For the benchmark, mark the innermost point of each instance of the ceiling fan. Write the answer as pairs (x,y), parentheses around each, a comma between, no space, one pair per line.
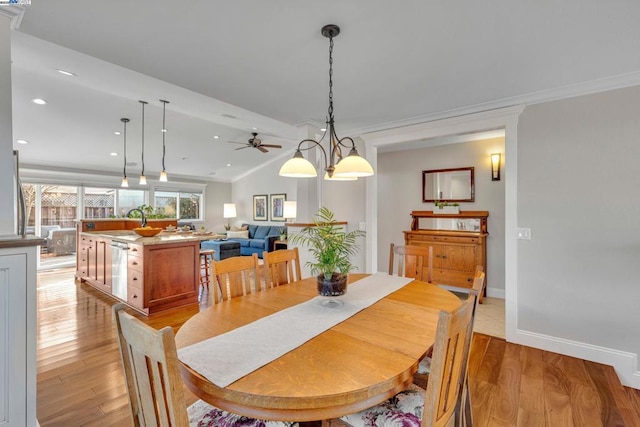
(255,142)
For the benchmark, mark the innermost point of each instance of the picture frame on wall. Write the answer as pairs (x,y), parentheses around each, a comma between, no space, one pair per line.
(260,207)
(277,206)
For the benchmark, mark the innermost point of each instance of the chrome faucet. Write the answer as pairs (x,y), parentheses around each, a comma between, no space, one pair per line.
(144,219)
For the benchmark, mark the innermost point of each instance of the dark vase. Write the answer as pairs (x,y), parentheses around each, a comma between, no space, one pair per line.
(333,286)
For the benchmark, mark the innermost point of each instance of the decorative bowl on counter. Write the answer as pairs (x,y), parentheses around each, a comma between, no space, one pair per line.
(147,232)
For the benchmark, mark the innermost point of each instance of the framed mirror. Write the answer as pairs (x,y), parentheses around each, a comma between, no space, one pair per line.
(448,185)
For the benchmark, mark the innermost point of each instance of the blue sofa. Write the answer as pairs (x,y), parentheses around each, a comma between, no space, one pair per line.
(261,238)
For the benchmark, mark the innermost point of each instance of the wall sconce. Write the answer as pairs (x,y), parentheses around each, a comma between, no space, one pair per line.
(495,167)
(229,211)
(289,210)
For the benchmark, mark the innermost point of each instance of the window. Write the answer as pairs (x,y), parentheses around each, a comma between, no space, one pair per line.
(99,202)
(179,205)
(129,199)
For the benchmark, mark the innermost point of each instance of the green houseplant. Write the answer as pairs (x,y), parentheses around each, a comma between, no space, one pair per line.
(331,247)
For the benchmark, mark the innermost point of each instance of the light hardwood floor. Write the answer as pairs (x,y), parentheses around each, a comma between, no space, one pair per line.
(80,381)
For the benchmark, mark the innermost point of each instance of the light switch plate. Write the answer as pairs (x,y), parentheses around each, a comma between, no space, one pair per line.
(524,233)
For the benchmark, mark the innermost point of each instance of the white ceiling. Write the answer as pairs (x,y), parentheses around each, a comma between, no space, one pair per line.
(266,64)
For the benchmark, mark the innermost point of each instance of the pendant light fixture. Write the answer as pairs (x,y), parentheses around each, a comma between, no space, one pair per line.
(163,174)
(337,166)
(143,179)
(125,181)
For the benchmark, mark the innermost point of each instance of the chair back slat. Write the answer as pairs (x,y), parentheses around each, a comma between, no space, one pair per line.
(281,267)
(448,365)
(235,276)
(411,261)
(150,363)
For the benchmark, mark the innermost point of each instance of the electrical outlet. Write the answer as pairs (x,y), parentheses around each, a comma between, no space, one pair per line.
(524,233)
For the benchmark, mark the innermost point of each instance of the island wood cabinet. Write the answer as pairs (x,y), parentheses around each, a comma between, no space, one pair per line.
(94,261)
(160,274)
(458,241)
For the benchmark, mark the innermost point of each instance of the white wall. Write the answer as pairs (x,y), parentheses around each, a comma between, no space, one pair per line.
(264,181)
(579,192)
(400,192)
(7,183)
(215,196)
(345,199)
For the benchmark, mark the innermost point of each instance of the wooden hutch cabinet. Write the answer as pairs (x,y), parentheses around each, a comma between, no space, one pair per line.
(458,241)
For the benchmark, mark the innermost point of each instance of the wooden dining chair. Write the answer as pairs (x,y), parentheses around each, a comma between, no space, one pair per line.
(481,291)
(464,416)
(436,405)
(156,397)
(411,261)
(235,276)
(281,267)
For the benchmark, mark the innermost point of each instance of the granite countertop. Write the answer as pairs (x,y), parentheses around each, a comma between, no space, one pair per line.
(164,237)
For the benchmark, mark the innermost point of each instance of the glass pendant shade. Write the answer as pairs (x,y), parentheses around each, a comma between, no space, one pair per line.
(353,166)
(298,167)
(143,180)
(163,177)
(125,182)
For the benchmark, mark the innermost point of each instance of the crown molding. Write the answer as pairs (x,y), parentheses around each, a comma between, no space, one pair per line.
(15,13)
(585,88)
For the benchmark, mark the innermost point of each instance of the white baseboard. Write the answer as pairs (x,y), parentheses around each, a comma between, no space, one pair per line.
(624,363)
(495,293)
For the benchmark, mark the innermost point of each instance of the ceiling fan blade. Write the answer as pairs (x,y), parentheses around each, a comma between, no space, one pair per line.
(240,148)
(264,150)
(234,142)
(271,145)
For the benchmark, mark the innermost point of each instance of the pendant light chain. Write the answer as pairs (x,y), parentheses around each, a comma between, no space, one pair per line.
(331,76)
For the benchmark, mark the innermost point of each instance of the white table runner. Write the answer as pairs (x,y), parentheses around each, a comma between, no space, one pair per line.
(228,357)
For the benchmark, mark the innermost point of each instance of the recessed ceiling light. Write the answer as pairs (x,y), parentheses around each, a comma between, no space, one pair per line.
(66,73)
(228,164)
(113,154)
(22,141)
(254,128)
(39,101)
(117,132)
(323,130)
(215,137)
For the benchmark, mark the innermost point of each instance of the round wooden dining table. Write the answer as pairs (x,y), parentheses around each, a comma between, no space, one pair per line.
(354,365)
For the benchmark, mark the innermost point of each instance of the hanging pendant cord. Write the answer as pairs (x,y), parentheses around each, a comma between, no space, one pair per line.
(331,76)
(142,102)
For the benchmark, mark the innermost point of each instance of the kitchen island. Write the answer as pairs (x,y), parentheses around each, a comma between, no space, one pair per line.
(150,274)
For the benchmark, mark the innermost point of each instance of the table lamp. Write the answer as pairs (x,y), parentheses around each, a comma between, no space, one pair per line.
(229,211)
(289,210)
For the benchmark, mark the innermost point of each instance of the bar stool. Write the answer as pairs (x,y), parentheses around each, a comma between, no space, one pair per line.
(206,256)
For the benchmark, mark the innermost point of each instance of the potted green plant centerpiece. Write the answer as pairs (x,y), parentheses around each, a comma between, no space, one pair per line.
(331,248)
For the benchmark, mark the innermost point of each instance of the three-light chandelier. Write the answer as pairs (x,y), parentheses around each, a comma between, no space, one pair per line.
(337,166)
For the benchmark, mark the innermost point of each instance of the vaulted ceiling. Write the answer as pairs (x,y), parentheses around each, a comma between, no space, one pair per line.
(236,67)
